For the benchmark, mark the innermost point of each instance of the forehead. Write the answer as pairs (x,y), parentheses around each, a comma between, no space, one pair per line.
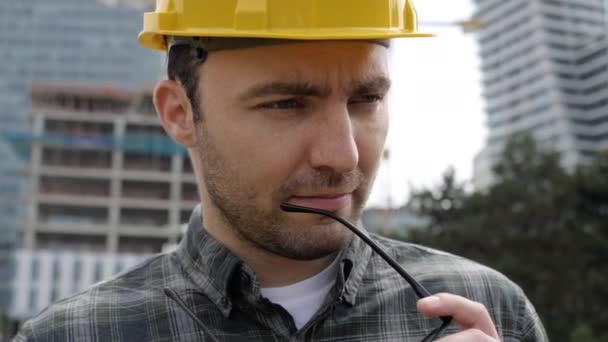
(335,64)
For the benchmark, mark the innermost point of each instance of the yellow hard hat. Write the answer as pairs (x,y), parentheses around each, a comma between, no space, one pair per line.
(279,19)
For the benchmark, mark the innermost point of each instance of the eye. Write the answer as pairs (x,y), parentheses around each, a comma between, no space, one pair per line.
(366,99)
(286,104)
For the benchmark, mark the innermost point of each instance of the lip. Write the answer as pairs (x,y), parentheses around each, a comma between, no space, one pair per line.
(333,202)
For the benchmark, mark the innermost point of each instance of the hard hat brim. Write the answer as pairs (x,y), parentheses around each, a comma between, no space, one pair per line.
(156,40)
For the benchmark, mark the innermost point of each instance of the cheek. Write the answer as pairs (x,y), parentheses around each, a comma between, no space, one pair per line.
(371,137)
(260,153)
(263,158)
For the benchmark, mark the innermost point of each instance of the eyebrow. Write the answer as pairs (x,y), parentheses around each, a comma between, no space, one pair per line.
(285,88)
(375,84)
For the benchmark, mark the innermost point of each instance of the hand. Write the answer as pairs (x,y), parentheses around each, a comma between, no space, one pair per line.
(473,317)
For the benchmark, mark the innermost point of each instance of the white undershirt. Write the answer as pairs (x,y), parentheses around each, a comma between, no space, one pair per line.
(303,299)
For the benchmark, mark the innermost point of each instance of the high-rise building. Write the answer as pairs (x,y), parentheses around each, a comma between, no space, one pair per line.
(79,41)
(85,42)
(545,67)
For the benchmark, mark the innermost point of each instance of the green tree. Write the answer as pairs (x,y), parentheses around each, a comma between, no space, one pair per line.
(542,226)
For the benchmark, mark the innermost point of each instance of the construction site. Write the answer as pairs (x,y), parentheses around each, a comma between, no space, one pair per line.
(106,187)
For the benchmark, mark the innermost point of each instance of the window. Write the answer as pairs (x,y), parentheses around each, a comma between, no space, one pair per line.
(56,270)
(33,299)
(98,271)
(77,271)
(593,56)
(594,72)
(596,88)
(35,269)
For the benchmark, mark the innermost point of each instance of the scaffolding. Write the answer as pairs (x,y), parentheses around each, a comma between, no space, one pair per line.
(143,143)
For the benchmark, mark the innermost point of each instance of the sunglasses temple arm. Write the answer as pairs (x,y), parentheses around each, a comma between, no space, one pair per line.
(446,320)
(421,292)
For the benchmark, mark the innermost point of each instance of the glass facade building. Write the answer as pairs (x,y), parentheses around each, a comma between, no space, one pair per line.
(545,66)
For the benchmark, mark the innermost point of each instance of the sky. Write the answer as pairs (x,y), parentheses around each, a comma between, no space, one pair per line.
(436,109)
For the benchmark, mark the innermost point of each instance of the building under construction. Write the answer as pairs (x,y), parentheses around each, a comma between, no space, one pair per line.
(107,187)
(88,42)
(103,174)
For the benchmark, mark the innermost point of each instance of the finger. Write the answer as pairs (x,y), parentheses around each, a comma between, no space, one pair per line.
(470,335)
(467,313)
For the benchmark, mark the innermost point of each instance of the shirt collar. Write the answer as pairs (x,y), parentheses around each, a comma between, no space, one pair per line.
(355,259)
(212,267)
(207,263)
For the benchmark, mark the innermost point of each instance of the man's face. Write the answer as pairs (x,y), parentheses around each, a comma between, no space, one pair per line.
(302,123)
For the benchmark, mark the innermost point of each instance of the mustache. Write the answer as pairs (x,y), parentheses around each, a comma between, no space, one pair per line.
(323,180)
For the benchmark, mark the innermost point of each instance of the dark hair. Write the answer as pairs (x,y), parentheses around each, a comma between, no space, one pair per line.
(182,66)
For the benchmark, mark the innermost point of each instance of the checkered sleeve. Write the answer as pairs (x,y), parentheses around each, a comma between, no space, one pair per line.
(530,325)
(25,334)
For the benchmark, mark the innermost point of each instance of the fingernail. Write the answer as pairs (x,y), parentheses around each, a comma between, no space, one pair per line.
(431,302)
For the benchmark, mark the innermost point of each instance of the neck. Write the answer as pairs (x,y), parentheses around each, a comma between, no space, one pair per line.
(272,270)
(275,271)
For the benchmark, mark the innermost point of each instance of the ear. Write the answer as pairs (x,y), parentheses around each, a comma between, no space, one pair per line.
(175,112)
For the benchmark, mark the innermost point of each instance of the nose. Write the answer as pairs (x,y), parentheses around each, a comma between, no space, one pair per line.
(333,143)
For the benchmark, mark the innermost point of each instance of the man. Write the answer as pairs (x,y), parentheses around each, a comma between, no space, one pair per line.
(284,102)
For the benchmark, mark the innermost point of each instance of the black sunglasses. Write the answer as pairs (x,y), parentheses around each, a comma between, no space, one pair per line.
(420,291)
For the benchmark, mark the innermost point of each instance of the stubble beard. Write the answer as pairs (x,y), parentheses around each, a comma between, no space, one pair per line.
(269,229)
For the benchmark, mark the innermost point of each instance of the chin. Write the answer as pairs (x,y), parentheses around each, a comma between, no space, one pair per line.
(316,242)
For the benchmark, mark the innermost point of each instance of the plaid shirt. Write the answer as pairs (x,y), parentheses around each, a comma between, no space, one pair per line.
(369,302)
